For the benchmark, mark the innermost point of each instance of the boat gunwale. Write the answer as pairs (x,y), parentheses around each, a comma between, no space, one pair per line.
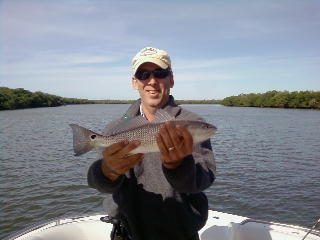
(53,222)
(69,219)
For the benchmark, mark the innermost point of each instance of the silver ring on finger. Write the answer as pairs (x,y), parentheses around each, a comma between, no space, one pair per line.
(171,149)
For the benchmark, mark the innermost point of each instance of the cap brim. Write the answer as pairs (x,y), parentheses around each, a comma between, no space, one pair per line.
(158,62)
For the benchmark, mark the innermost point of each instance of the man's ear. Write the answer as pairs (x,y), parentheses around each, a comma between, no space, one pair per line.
(134,83)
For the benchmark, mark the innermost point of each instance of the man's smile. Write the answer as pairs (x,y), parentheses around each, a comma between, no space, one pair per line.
(153,92)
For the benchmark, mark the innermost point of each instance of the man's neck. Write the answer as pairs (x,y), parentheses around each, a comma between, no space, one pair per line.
(149,112)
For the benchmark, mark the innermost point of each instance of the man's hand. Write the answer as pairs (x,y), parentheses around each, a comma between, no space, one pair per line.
(175,143)
(116,160)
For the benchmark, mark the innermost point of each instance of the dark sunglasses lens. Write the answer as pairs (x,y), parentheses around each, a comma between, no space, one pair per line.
(161,73)
(142,74)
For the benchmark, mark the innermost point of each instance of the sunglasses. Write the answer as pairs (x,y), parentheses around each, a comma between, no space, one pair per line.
(143,74)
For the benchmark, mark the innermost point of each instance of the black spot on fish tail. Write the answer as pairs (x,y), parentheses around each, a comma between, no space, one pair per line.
(82,139)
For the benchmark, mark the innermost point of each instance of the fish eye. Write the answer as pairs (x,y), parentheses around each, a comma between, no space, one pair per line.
(93,136)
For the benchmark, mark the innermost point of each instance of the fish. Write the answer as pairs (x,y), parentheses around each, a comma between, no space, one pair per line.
(138,129)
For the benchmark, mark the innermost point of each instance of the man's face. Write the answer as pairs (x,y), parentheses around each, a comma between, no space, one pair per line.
(154,92)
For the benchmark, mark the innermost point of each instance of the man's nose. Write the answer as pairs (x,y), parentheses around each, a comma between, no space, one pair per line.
(152,80)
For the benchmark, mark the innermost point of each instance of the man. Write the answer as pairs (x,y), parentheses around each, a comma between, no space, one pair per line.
(157,195)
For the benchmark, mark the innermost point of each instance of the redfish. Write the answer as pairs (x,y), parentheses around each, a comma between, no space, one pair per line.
(138,129)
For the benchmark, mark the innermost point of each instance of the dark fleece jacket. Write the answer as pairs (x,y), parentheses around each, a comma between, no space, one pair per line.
(155,202)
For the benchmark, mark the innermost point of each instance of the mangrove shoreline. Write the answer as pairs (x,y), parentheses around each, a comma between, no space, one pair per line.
(20,98)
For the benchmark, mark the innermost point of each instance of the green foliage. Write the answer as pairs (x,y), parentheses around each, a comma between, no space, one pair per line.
(299,99)
(21,98)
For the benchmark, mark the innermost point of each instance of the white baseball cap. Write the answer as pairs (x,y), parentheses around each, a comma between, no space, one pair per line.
(153,55)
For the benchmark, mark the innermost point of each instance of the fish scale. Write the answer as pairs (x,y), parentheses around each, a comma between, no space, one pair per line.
(145,135)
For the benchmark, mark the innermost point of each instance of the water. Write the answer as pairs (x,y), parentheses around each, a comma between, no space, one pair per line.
(268,163)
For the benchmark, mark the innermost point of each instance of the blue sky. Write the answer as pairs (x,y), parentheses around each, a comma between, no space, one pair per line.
(83,49)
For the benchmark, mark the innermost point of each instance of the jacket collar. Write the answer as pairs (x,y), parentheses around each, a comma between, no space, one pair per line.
(171,107)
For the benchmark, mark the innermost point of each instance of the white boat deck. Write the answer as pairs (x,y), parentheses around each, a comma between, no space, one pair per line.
(220,226)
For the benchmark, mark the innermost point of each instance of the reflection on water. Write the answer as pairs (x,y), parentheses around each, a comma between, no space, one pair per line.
(267,162)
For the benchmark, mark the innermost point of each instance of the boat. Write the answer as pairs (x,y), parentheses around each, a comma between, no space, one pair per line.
(220,226)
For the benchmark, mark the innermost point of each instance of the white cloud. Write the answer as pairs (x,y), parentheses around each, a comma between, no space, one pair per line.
(213,44)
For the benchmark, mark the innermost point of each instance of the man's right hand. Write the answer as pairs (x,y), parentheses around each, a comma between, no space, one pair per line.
(117,161)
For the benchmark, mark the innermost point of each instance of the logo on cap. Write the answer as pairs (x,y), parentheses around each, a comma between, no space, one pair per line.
(148,51)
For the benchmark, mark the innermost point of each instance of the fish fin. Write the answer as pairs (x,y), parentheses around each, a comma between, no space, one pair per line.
(128,125)
(81,139)
(163,116)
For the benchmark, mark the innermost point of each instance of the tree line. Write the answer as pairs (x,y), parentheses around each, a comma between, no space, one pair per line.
(20,98)
(276,99)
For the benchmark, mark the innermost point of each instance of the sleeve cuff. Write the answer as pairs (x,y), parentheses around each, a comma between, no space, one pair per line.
(98,180)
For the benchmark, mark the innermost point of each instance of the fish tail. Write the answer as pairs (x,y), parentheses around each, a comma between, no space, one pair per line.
(82,139)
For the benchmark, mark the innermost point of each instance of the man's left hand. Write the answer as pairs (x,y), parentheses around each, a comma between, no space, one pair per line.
(175,143)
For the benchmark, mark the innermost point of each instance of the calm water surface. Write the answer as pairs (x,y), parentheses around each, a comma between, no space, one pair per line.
(268,163)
